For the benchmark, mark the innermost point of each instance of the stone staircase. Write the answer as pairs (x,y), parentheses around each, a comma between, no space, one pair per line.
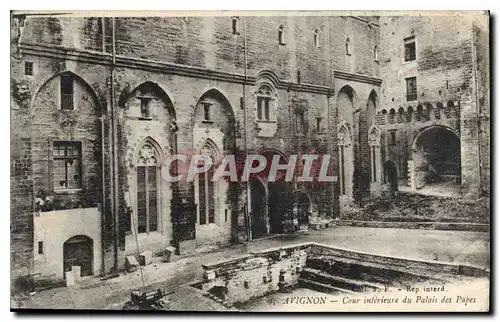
(343,275)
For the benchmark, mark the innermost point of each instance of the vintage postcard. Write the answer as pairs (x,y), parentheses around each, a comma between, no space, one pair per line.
(250,161)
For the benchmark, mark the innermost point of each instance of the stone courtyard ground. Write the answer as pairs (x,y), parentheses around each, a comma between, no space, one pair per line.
(445,246)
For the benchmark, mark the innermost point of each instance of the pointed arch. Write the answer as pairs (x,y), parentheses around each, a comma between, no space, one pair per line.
(151,87)
(344,135)
(149,152)
(218,95)
(91,90)
(374,136)
(373,97)
(351,93)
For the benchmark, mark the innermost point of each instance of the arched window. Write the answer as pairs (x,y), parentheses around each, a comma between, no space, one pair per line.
(316,38)
(374,143)
(348,46)
(264,103)
(147,188)
(206,188)
(281,35)
(375,53)
(344,140)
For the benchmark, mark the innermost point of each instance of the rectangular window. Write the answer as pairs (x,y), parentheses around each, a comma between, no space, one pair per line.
(28,68)
(141,200)
(266,108)
(393,138)
(67,165)
(411,89)
(40,248)
(152,199)
(299,122)
(145,107)
(206,111)
(210,196)
(147,199)
(259,108)
(318,123)
(202,198)
(66,92)
(410,49)
(235,26)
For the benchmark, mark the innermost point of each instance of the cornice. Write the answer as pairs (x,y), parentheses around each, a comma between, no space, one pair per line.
(357,77)
(100,58)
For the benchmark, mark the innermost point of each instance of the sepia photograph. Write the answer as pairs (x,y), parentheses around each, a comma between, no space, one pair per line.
(250,161)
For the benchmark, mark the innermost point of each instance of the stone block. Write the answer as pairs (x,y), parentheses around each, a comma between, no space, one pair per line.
(146,258)
(77,272)
(168,253)
(131,264)
(208,275)
(70,279)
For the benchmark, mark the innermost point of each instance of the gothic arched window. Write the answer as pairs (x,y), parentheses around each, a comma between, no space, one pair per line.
(147,169)
(264,103)
(206,187)
(344,140)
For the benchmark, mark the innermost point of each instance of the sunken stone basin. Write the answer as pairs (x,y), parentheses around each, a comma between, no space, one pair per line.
(310,273)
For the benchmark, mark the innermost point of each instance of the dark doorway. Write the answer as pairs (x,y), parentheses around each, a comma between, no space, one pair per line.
(79,251)
(280,207)
(259,207)
(301,209)
(391,175)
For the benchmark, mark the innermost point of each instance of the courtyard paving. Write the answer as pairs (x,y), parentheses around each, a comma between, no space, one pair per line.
(446,246)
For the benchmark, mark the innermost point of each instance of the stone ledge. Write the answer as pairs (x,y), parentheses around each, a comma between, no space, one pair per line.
(432,225)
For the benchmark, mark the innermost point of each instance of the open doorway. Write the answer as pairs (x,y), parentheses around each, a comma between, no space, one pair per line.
(79,251)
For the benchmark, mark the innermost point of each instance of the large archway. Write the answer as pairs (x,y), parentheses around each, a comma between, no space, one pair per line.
(79,251)
(436,157)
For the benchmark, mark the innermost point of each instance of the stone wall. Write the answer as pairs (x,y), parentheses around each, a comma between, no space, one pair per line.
(257,274)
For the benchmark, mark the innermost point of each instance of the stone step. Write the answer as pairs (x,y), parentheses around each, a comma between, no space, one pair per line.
(340,282)
(320,287)
(366,271)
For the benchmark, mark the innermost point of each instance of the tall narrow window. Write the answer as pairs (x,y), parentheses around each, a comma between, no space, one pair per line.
(206,190)
(281,35)
(145,107)
(411,89)
(344,140)
(264,101)
(392,137)
(234,25)
(66,92)
(316,38)
(342,170)
(28,68)
(410,49)
(318,123)
(374,143)
(348,46)
(206,111)
(147,189)
(67,165)
(40,248)
(300,124)
(375,53)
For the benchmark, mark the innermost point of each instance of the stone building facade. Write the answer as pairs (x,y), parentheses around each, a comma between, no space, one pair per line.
(98,104)
(434,115)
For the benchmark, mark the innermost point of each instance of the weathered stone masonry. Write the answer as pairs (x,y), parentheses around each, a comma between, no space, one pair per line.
(134,109)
